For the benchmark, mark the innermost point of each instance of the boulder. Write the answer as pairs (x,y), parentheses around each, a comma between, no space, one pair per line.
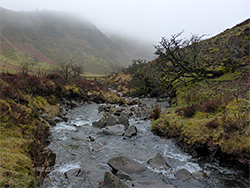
(110,120)
(57,119)
(118,111)
(45,116)
(52,122)
(158,162)
(73,104)
(126,165)
(106,120)
(64,118)
(131,131)
(183,174)
(123,175)
(133,101)
(111,181)
(117,130)
(123,119)
(74,175)
(107,108)
(199,175)
(99,124)
(127,112)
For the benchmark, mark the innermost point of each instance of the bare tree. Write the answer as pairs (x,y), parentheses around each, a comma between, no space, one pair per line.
(183,60)
(70,71)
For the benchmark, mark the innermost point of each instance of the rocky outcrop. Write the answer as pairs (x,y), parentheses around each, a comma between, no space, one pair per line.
(126,165)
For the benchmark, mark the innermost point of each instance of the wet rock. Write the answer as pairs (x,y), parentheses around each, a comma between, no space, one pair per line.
(99,124)
(172,162)
(45,116)
(106,120)
(110,120)
(73,104)
(131,131)
(107,108)
(124,121)
(75,174)
(117,130)
(46,158)
(118,111)
(133,101)
(135,109)
(42,170)
(127,112)
(199,175)
(63,111)
(64,118)
(91,138)
(161,99)
(111,181)
(158,162)
(126,165)
(153,184)
(183,174)
(123,175)
(52,122)
(57,119)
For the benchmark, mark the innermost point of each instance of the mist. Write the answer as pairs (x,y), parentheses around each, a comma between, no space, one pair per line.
(147,20)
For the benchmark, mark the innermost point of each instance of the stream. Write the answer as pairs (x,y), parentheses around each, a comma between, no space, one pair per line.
(71,143)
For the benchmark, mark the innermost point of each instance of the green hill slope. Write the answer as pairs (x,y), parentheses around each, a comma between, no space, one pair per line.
(207,83)
(46,38)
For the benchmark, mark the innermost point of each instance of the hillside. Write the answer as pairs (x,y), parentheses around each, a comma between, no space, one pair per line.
(207,84)
(46,38)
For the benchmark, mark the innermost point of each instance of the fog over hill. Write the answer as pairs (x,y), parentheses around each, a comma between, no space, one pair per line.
(51,37)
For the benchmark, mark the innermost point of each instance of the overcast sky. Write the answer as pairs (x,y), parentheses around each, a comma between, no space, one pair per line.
(148,19)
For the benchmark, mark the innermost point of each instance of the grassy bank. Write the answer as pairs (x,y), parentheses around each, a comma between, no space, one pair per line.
(25,101)
(212,117)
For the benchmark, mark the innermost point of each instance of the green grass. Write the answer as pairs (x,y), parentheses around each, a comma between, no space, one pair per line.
(226,125)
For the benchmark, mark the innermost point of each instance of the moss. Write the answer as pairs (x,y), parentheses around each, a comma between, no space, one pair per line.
(73,88)
(5,111)
(111,97)
(228,130)
(41,104)
(16,166)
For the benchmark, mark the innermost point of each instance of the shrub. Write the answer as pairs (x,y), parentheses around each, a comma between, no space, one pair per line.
(239,121)
(210,106)
(188,111)
(212,124)
(155,114)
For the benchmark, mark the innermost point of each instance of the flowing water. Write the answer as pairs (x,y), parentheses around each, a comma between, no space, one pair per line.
(70,142)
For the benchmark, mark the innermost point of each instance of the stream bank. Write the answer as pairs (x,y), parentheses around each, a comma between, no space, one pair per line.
(90,143)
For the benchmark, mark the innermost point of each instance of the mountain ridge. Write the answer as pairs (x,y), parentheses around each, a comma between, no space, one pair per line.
(48,37)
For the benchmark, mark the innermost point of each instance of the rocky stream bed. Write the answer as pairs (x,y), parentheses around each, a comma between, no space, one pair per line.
(111,146)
